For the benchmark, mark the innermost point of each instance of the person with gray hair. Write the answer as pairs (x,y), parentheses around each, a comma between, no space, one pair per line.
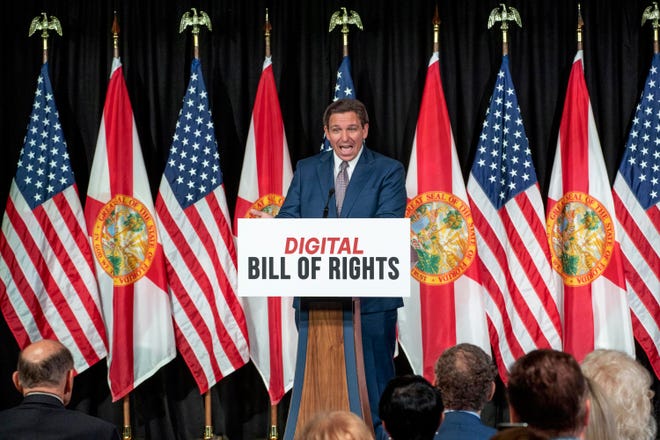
(44,377)
(465,375)
(626,385)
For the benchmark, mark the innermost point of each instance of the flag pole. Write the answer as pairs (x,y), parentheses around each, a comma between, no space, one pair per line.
(344,18)
(273,435)
(580,25)
(43,23)
(653,13)
(504,15)
(126,404)
(193,19)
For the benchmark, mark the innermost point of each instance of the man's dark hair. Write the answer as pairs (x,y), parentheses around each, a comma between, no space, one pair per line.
(548,391)
(465,374)
(345,106)
(49,371)
(411,408)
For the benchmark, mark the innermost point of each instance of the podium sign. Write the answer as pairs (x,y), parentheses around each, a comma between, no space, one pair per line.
(324,257)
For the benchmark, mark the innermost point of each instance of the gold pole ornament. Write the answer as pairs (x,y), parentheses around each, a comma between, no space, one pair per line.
(504,15)
(652,13)
(436,30)
(43,23)
(194,20)
(267,29)
(115,36)
(344,18)
(580,26)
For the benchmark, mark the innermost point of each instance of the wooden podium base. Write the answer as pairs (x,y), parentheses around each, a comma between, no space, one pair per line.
(329,365)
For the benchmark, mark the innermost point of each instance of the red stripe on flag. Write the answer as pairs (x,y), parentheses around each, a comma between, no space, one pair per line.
(574,133)
(269,160)
(121,371)
(647,343)
(276,384)
(118,114)
(437,334)
(434,148)
(189,356)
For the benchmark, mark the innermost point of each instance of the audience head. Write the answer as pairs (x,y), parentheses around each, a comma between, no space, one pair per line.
(410,408)
(520,433)
(548,391)
(335,425)
(626,386)
(601,424)
(465,375)
(45,366)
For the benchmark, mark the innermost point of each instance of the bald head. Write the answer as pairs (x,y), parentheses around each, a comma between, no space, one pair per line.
(43,366)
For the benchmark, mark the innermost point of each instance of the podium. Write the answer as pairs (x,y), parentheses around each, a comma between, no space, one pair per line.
(329,364)
(326,263)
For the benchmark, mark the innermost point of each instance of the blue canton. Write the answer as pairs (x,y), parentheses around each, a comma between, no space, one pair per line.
(43,166)
(640,166)
(193,167)
(503,162)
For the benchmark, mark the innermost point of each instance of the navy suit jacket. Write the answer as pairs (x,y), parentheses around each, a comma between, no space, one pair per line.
(459,425)
(376,190)
(42,417)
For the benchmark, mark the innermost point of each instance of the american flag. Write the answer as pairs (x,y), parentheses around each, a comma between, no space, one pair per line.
(446,305)
(582,232)
(637,206)
(195,226)
(265,179)
(48,288)
(512,246)
(130,266)
(344,88)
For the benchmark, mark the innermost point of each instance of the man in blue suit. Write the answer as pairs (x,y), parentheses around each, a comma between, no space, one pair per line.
(465,375)
(375,187)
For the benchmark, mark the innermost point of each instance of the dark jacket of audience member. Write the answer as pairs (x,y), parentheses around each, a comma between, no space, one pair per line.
(410,408)
(548,391)
(45,378)
(465,375)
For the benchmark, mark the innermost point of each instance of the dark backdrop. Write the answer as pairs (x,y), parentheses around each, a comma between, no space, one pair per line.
(389,64)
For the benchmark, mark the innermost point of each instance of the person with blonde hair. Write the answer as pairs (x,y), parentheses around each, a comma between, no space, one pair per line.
(335,425)
(601,424)
(626,385)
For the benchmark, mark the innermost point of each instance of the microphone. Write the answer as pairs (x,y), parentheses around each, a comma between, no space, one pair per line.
(331,192)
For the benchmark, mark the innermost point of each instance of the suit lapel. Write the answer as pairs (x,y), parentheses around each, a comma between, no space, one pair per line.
(325,171)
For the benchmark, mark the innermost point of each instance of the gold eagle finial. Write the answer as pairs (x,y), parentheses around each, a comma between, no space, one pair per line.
(344,18)
(504,15)
(44,24)
(651,13)
(195,20)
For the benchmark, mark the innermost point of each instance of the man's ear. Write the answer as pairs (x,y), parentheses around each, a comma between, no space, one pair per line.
(17,382)
(492,390)
(68,387)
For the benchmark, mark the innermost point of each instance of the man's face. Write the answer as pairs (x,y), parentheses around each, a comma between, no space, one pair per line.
(346,134)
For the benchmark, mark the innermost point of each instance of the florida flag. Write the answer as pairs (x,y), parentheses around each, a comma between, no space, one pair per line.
(127,250)
(637,204)
(265,179)
(446,304)
(582,232)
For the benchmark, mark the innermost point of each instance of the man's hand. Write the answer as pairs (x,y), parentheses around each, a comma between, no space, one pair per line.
(259,214)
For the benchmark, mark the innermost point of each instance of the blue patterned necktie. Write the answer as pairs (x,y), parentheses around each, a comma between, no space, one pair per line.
(340,185)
